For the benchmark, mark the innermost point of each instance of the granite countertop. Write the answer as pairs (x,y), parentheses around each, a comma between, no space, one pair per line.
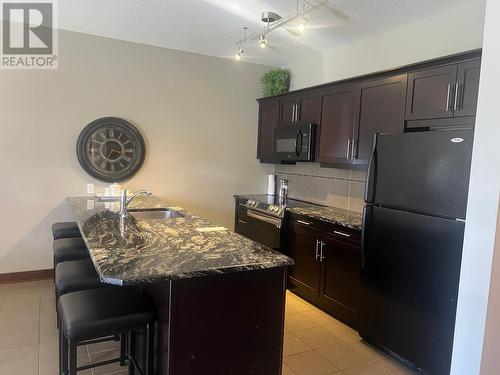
(339,216)
(137,251)
(345,218)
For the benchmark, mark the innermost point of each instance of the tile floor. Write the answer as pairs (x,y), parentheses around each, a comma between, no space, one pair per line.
(315,343)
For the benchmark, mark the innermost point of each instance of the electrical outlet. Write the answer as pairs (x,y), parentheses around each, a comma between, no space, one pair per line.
(90,189)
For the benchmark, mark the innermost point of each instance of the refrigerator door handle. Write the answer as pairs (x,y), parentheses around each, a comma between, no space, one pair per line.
(363,234)
(371,174)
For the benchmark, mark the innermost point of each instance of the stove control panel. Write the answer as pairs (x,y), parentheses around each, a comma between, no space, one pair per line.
(270,209)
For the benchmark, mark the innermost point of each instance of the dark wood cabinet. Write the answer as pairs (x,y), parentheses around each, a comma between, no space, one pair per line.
(448,91)
(465,102)
(380,108)
(304,108)
(288,110)
(303,247)
(268,120)
(430,93)
(336,127)
(339,290)
(309,108)
(327,266)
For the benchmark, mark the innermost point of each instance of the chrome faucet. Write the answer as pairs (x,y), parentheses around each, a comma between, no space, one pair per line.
(124,201)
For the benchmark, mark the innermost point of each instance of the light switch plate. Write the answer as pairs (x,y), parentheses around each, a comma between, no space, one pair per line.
(90,189)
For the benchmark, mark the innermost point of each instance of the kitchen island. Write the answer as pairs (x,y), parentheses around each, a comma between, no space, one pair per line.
(220,297)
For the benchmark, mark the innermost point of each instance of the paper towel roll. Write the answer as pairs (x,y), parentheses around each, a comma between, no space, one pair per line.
(271,184)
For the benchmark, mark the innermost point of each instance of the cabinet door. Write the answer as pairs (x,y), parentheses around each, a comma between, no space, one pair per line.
(337,120)
(430,93)
(380,108)
(310,109)
(268,120)
(465,103)
(304,275)
(288,108)
(340,284)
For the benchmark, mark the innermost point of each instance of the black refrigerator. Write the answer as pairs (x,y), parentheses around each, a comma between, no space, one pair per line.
(413,226)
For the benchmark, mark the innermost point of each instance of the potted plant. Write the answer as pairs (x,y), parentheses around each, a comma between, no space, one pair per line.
(276,82)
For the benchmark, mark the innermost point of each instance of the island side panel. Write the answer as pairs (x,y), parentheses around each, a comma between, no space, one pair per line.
(226,324)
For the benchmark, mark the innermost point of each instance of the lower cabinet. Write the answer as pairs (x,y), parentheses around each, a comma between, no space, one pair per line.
(327,266)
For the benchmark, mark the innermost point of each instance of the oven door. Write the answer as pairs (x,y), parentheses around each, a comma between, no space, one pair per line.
(294,143)
(264,229)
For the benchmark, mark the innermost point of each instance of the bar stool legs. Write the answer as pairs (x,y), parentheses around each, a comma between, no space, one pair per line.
(68,353)
(130,351)
(150,345)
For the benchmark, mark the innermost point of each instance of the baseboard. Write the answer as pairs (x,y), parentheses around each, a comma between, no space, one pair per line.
(18,277)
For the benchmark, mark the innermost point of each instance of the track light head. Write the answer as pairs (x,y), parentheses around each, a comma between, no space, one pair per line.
(263,41)
(239,54)
(303,24)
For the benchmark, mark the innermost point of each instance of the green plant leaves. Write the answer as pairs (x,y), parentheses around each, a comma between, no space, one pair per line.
(275,82)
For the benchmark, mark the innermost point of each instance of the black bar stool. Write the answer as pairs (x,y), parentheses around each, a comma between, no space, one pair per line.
(90,314)
(67,229)
(66,249)
(77,275)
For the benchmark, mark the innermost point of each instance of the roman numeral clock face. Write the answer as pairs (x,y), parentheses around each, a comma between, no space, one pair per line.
(111,149)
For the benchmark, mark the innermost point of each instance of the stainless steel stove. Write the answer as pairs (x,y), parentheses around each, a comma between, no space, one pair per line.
(260,217)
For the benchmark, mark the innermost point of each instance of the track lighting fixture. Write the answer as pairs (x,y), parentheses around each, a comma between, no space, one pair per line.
(274,21)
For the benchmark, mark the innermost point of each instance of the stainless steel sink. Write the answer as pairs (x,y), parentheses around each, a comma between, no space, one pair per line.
(154,213)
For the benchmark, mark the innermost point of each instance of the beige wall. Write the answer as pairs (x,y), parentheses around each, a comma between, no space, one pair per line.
(455,31)
(198,115)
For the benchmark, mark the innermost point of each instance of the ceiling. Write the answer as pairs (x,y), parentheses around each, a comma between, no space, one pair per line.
(213,27)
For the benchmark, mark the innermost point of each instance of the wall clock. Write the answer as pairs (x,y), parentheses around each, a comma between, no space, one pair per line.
(111,149)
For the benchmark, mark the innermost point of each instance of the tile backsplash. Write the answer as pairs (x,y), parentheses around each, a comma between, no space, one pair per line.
(343,188)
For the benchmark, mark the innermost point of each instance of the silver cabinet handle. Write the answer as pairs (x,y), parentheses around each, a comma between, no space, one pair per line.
(317,250)
(348,148)
(321,256)
(303,222)
(455,105)
(341,233)
(242,221)
(448,98)
(293,112)
(296,112)
(353,148)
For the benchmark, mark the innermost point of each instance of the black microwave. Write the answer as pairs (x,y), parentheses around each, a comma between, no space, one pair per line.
(294,142)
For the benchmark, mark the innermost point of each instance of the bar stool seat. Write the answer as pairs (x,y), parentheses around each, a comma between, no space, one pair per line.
(66,249)
(67,229)
(76,275)
(89,314)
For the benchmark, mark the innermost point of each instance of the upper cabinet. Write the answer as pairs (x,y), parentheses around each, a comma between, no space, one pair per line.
(304,108)
(444,92)
(430,95)
(468,88)
(380,108)
(352,114)
(288,110)
(269,115)
(336,128)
